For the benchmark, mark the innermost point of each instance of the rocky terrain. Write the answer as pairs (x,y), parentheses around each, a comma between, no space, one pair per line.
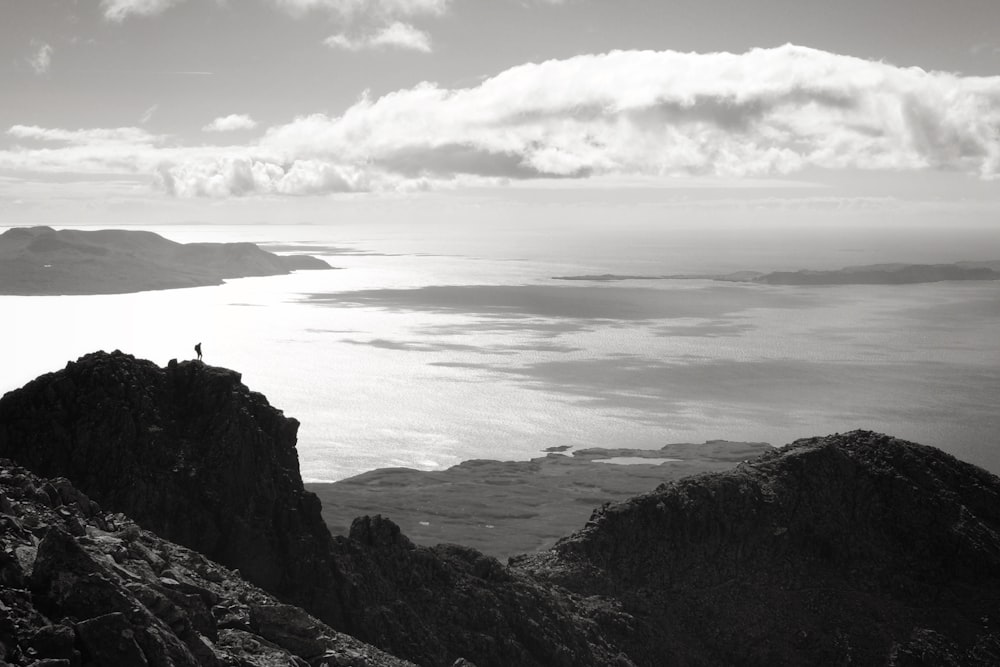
(81,587)
(850,549)
(42,260)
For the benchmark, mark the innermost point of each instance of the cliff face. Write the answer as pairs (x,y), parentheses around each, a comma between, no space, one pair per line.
(850,549)
(188,452)
(83,588)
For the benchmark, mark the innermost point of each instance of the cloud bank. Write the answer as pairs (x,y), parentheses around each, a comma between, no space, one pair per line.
(626,113)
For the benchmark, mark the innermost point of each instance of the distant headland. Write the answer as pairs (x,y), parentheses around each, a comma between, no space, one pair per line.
(871,274)
(36,261)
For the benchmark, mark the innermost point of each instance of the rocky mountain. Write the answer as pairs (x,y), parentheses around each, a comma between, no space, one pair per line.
(851,549)
(42,260)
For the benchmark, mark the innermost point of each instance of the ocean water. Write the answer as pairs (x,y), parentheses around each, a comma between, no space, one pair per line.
(432,345)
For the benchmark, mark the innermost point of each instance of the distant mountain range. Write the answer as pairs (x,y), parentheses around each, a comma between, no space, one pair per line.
(44,261)
(871,274)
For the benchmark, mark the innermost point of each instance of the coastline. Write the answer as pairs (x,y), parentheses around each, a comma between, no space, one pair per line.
(504,508)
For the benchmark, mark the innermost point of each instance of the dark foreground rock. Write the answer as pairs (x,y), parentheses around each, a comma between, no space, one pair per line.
(188,452)
(851,549)
(80,587)
(42,260)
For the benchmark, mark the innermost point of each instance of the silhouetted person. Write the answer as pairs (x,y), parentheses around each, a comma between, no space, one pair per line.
(197,348)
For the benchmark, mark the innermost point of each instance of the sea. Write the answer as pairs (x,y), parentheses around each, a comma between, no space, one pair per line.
(430,345)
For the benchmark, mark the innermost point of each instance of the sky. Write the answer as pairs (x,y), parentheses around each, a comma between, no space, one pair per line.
(149,111)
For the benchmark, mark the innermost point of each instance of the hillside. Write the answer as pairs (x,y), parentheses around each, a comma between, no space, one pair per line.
(44,261)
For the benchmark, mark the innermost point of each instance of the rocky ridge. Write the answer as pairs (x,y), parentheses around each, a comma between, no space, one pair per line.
(81,587)
(852,549)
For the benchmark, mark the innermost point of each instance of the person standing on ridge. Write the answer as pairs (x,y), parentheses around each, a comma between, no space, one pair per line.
(197,348)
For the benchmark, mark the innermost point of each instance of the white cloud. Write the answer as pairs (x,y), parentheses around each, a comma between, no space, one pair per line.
(625,114)
(148,114)
(351,9)
(397,35)
(91,136)
(41,59)
(119,10)
(231,123)
(234,176)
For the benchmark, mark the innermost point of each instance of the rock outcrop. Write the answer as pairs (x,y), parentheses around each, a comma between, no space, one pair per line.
(80,587)
(850,549)
(188,452)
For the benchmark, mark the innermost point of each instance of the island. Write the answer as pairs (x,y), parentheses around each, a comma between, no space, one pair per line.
(37,261)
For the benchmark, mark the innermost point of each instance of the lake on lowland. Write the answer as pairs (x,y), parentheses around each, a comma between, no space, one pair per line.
(435,344)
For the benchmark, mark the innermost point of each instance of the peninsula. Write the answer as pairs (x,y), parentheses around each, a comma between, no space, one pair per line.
(38,261)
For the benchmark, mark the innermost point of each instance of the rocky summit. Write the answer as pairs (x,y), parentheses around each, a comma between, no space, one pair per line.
(856,548)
